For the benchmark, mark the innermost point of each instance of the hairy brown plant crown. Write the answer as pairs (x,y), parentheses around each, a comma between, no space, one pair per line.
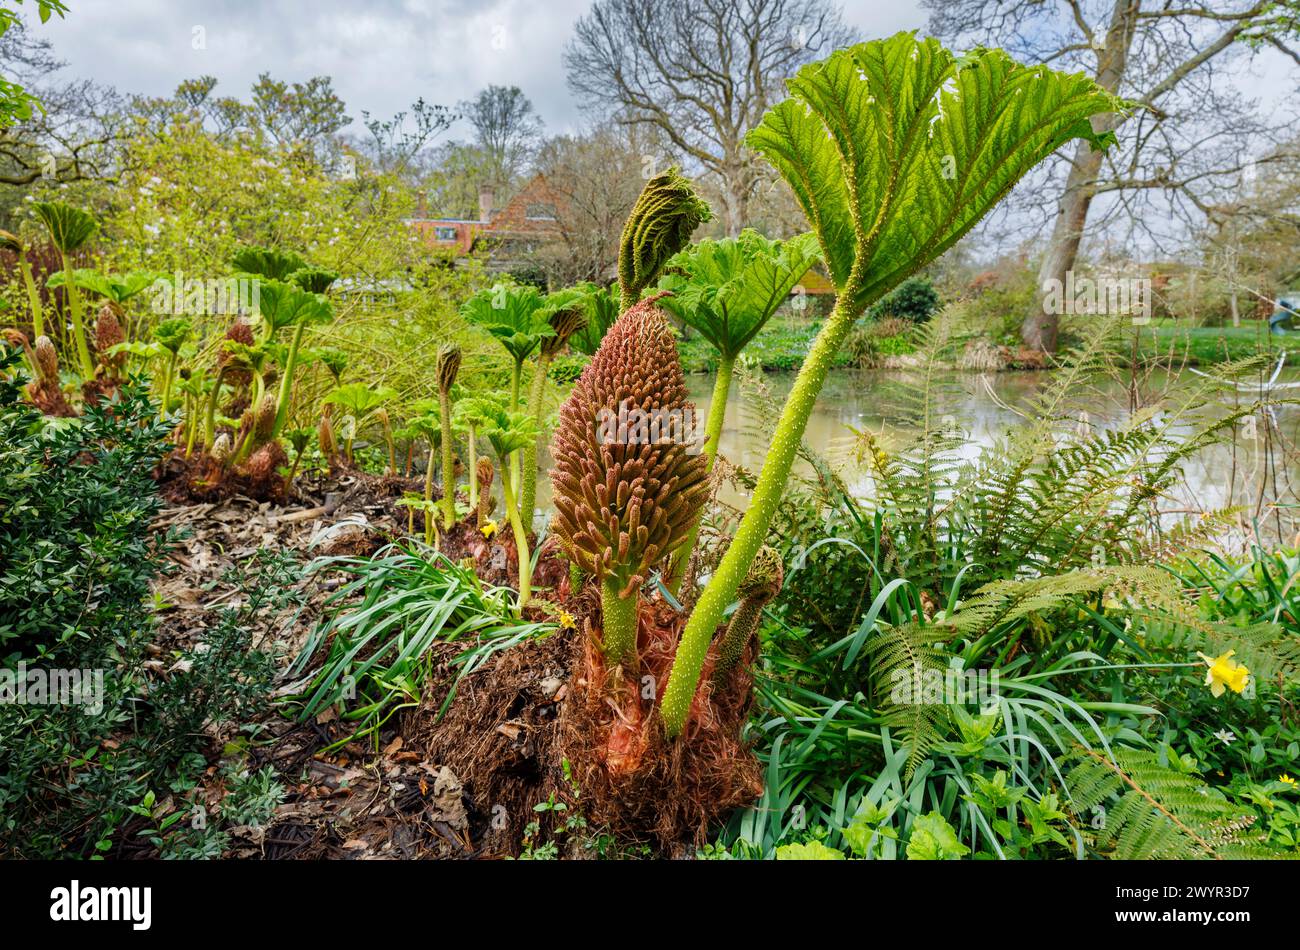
(619,507)
(47,358)
(108,334)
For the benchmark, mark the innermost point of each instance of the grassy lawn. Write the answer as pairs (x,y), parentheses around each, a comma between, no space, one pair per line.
(1213,344)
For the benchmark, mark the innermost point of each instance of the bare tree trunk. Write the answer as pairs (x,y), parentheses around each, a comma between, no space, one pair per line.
(735,198)
(1039,329)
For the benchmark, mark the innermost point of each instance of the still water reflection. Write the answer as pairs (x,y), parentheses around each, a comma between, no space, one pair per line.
(985,406)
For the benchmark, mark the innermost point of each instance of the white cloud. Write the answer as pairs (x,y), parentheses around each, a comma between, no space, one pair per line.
(381,54)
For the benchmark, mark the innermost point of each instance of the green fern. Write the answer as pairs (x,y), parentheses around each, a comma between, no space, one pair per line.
(1141,809)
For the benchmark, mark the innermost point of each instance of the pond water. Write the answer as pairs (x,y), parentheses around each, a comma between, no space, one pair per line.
(985,405)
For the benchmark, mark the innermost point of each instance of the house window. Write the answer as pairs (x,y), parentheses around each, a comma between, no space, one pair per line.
(540,212)
(444,233)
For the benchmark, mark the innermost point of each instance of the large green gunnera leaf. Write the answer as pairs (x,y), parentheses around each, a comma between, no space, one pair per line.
(728,289)
(896,148)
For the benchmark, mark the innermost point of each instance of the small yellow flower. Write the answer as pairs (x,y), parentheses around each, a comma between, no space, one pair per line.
(1286,779)
(489,529)
(1225,672)
(566,621)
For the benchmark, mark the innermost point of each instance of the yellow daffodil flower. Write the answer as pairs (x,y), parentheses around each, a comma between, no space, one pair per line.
(1225,673)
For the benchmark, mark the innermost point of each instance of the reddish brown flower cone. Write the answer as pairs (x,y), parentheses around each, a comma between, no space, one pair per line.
(622,502)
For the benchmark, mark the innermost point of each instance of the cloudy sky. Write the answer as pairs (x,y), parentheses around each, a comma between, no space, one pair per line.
(382,54)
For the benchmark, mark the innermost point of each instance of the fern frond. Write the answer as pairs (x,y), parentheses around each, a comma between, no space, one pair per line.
(1141,809)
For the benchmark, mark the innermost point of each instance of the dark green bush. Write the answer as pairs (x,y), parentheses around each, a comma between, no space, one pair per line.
(914,299)
(77,556)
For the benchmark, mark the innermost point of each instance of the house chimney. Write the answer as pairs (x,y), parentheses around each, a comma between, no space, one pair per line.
(485,196)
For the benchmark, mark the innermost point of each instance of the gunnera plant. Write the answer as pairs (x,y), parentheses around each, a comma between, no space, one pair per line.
(894,149)
(625,495)
(661,223)
(565,311)
(448,367)
(761,584)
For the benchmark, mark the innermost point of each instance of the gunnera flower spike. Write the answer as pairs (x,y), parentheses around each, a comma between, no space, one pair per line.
(626,492)
(761,584)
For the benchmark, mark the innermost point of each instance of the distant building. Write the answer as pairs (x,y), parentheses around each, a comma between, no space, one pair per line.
(510,236)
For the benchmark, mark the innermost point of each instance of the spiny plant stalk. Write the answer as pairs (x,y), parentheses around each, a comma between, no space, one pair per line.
(567,316)
(894,149)
(661,223)
(624,499)
(762,583)
(448,367)
(70,228)
(728,290)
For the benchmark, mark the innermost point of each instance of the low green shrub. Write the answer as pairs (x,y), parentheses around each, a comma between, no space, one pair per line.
(77,557)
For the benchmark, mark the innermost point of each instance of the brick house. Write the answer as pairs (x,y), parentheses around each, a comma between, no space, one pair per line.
(510,235)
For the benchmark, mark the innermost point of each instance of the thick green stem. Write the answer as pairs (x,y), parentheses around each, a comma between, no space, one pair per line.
(473,470)
(618,618)
(167,380)
(293,470)
(192,421)
(448,463)
(514,407)
(33,297)
(210,415)
(536,393)
(286,382)
(752,532)
(521,543)
(250,442)
(77,311)
(712,434)
(428,497)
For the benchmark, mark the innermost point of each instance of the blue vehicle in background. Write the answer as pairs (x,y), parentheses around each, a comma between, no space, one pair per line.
(1286,319)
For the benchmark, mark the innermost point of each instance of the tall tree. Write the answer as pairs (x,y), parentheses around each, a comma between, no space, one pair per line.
(702,72)
(71,136)
(597,176)
(1183,144)
(298,114)
(506,129)
(16,103)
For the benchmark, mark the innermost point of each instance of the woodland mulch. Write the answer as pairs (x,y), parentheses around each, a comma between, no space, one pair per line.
(459,783)
(384,799)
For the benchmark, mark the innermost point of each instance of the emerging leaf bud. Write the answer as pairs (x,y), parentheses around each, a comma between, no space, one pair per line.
(47,359)
(448,366)
(108,334)
(484,474)
(661,223)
